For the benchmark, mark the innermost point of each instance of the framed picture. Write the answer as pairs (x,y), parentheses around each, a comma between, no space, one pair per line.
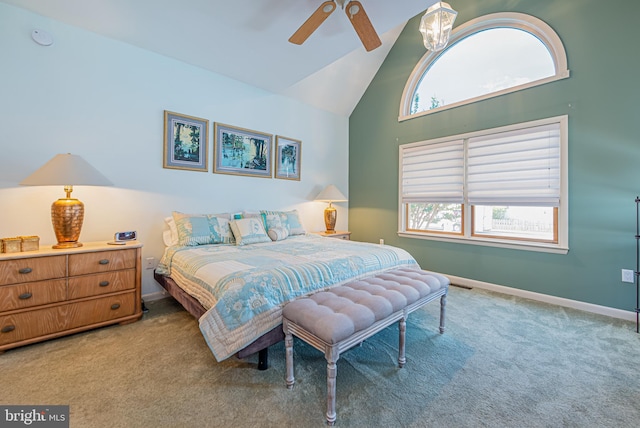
(185,142)
(288,158)
(241,151)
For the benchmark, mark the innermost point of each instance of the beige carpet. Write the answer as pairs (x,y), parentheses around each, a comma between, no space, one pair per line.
(503,362)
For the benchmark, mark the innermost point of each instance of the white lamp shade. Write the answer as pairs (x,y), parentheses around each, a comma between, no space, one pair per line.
(331,194)
(66,170)
(436,25)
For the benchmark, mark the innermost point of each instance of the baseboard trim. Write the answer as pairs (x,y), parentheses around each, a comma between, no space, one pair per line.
(560,301)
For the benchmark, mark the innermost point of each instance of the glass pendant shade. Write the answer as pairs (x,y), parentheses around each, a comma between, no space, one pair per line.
(436,25)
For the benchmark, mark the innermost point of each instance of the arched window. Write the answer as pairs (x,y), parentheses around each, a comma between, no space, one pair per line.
(486,57)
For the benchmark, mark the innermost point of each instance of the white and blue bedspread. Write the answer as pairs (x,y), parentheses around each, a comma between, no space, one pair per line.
(244,288)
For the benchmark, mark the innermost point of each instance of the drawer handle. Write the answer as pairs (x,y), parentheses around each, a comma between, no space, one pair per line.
(103,283)
(25,270)
(25,296)
(104,262)
(8,328)
(115,306)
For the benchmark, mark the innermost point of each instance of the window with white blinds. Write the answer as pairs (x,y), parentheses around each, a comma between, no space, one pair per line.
(520,167)
(507,183)
(432,172)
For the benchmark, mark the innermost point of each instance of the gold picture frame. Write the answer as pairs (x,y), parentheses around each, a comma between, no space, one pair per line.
(186,139)
(288,157)
(240,151)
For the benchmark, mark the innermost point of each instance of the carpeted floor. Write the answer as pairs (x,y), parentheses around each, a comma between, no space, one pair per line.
(503,362)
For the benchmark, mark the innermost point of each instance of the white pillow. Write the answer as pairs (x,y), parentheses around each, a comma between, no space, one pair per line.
(170,235)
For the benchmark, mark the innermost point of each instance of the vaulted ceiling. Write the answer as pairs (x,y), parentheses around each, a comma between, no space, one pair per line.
(247,40)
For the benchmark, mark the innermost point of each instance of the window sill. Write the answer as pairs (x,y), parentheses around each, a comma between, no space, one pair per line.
(524,246)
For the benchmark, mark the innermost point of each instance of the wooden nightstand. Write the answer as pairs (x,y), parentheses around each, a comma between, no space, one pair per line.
(51,293)
(340,234)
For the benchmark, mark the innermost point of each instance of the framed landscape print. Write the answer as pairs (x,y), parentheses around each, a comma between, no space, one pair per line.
(288,158)
(185,142)
(241,151)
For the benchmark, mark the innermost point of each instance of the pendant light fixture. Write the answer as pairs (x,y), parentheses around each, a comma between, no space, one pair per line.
(436,25)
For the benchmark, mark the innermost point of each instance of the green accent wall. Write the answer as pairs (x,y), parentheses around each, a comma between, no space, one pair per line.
(601,99)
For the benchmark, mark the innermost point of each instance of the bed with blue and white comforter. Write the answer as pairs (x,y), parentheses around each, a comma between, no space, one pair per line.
(245,287)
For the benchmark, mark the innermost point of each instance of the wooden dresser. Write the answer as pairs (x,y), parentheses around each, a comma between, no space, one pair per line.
(51,293)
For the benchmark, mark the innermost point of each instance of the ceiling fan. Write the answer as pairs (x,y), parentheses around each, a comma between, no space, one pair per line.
(356,14)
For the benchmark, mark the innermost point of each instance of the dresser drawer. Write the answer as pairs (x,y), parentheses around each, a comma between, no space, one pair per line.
(40,322)
(103,261)
(101,283)
(32,294)
(16,271)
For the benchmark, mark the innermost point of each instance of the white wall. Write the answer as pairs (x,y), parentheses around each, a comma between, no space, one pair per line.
(104,100)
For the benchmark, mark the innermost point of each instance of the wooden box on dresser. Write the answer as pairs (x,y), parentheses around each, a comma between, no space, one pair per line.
(55,292)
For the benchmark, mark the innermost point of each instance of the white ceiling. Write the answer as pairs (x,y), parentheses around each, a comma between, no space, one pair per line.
(247,40)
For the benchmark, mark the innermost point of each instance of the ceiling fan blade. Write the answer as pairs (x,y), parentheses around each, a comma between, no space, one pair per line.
(312,24)
(362,25)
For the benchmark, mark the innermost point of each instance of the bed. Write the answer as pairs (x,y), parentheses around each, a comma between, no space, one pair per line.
(237,289)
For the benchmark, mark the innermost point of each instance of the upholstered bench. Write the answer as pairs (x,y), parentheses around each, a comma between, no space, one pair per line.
(341,317)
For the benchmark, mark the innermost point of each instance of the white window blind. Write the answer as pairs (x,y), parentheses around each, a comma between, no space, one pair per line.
(520,167)
(432,172)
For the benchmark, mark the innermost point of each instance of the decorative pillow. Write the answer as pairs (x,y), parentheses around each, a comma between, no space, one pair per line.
(224,229)
(277,233)
(250,214)
(199,229)
(249,231)
(289,220)
(295,225)
(254,214)
(274,219)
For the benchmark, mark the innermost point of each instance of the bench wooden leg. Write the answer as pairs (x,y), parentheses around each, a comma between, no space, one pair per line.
(402,326)
(332,372)
(443,303)
(288,343)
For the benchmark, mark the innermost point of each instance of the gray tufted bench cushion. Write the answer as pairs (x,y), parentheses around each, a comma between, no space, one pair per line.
(341,317)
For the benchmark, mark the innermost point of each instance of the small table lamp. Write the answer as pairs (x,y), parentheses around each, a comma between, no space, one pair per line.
(330,194)
(67,213)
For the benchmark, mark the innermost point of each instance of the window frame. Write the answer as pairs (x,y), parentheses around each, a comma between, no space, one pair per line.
(520,21)
(514,238)
(459,233)
(561,224)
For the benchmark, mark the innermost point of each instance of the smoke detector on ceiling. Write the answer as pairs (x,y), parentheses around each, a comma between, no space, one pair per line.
(42,37)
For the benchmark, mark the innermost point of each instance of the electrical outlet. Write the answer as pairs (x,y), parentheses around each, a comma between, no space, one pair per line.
(150,262)
(627,275)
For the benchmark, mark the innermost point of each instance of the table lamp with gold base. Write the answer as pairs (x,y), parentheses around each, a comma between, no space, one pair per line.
(330,194)
(67,214)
